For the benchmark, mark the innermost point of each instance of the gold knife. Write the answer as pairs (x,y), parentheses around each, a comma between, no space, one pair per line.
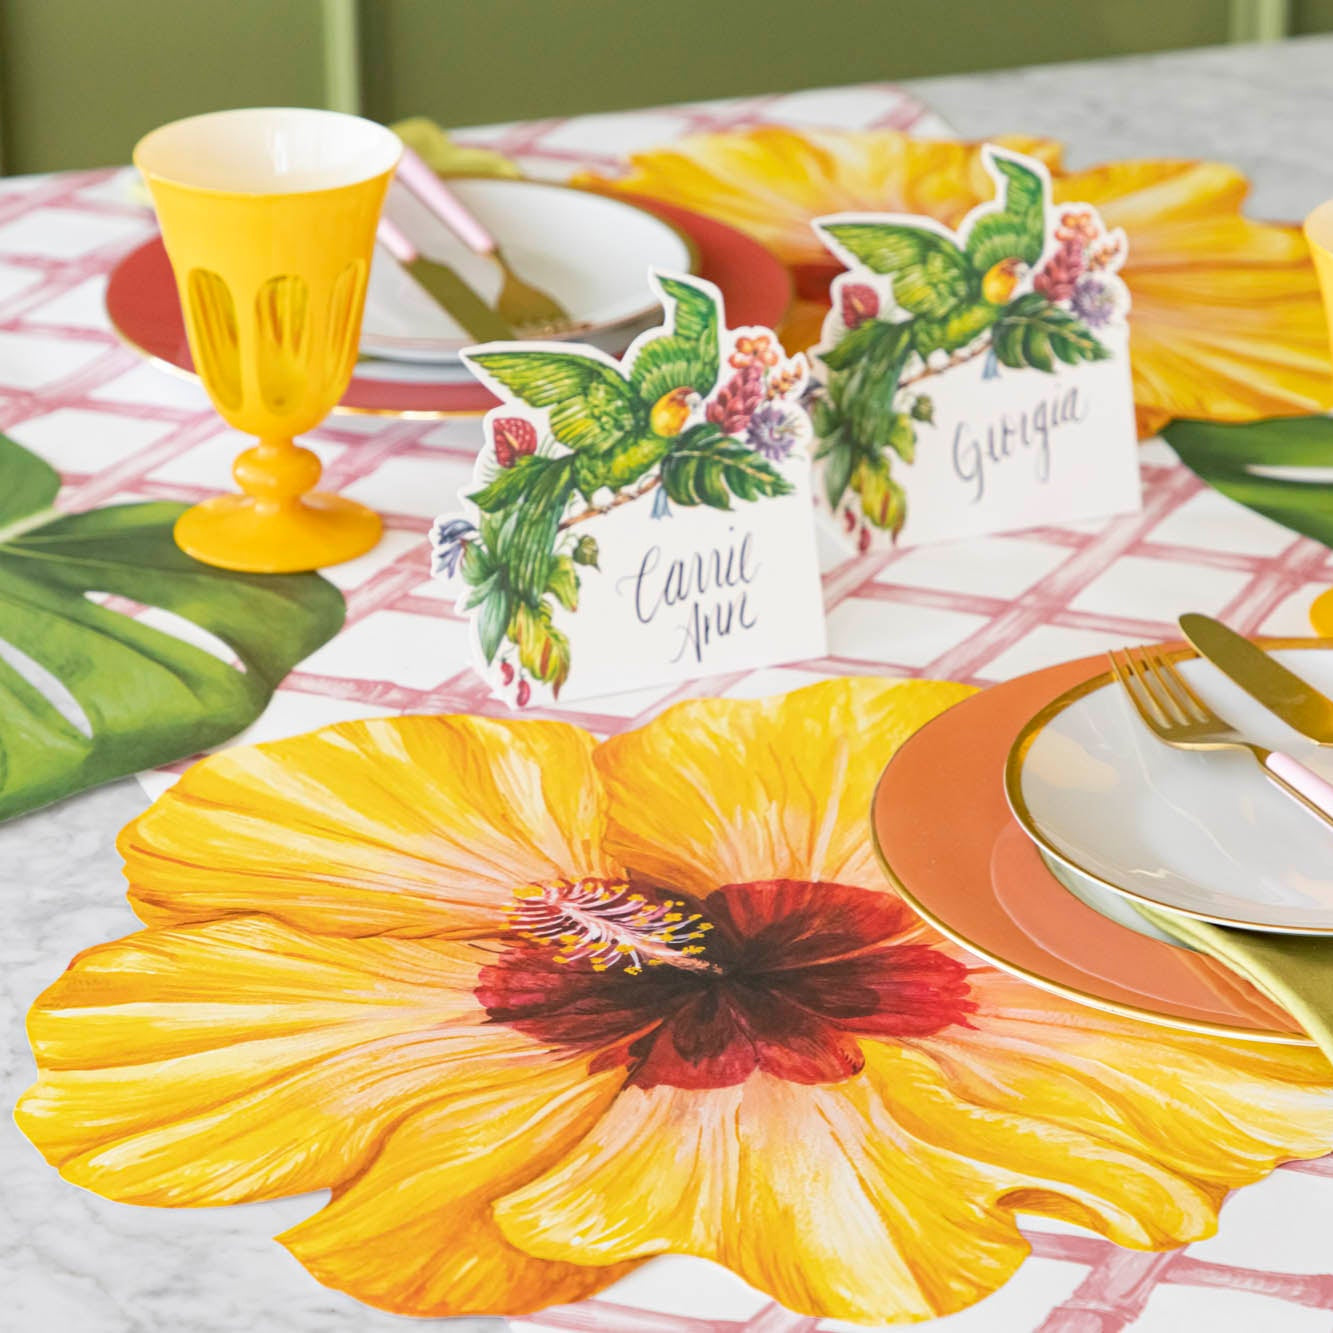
(445,287)
(1262,677)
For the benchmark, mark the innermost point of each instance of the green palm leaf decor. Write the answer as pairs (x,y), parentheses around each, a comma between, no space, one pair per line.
(1234,459)
(88,694)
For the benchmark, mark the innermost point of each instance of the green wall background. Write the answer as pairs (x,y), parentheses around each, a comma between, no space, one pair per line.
(81,80)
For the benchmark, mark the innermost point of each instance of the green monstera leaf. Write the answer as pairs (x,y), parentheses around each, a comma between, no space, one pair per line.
(1244,462)
(112,695)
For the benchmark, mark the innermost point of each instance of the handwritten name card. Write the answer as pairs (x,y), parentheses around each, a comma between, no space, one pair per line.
(642,521)
(975,381)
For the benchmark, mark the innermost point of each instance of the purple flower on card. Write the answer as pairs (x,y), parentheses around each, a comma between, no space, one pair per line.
(774,430)
(448,541)
(1095,301)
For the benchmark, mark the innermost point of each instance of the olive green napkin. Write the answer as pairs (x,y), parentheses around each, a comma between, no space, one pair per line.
(1295,971)
(447,158)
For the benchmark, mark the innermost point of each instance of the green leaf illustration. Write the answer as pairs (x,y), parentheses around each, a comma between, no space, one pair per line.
(709,468)
(871,386)
(1032,332)
(858,343)
(1226,456)
(477,565)
(510,486)
(902,437)
(838,464)
(564,583)
(524,519)
(586,552)
(146,697)
(529,552)
(496,610)
(883,501)
(542,649)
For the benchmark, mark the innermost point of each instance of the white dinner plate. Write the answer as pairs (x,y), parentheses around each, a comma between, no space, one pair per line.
(591,253)
(1205,834)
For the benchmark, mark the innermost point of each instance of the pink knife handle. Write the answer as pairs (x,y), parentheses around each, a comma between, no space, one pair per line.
(392,237)
(1304,781)
(443,202)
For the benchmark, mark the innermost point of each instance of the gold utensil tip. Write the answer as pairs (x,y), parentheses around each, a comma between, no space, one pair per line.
(1172,711)
(1262,677)
(529,309)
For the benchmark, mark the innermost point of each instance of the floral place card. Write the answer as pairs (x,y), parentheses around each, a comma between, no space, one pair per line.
(978,380)
(641,521)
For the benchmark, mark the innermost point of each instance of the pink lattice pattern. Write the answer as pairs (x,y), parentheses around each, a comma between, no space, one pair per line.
(119,429)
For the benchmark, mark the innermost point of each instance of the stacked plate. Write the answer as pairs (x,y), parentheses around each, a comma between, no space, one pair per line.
(590,252)
(1026,823)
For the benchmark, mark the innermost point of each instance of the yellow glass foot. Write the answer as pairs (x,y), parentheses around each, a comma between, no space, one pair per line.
(234,532)
(1321,614)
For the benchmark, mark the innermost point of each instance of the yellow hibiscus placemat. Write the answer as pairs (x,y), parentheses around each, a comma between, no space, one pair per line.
(537,1009)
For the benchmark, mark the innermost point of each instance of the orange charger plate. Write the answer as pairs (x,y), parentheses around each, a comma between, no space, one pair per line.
(948,842)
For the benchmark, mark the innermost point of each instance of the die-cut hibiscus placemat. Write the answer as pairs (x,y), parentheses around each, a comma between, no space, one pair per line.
(641,521)
(537,1009)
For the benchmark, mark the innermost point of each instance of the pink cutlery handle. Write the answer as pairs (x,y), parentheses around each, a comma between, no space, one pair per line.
(391,236)
(443,202)
(1302,780)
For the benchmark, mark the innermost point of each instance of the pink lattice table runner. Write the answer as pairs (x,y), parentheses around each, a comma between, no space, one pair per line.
(118,428)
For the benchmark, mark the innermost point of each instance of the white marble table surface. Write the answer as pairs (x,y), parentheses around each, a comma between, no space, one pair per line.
(1265,109)
(71,1261)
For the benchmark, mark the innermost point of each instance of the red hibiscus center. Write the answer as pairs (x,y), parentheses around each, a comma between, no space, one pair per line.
(779,976)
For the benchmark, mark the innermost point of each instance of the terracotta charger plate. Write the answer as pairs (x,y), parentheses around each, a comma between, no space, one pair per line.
(950,845)
(145,311)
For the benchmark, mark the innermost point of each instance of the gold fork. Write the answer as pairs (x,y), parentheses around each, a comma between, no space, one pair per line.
(532,312)
(1174,713)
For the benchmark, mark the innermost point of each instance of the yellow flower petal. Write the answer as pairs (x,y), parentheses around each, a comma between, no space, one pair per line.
(770,181)
(892,1195)
(414,1233)
(243,1059)
(407,825)
(812,1194)
(1227,321)
(721,791)
(1225,1113)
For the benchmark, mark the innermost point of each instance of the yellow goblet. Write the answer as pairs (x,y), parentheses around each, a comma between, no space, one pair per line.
(1319,233)
(268,216)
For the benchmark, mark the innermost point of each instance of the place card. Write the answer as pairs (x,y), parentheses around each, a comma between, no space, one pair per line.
(641,521)
(976,380)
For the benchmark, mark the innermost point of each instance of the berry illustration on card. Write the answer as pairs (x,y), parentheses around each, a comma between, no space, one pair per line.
(976,380)
(638,521)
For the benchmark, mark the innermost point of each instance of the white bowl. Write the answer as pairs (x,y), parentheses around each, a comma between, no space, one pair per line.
(591,253)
